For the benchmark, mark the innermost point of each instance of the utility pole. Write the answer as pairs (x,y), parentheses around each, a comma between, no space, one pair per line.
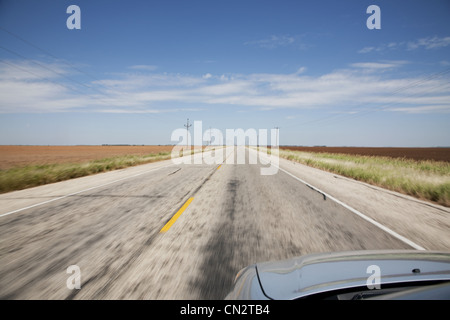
(278,129)
(187,132)
(210,136)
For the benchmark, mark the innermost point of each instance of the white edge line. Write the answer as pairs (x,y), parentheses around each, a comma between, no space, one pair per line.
(375,223)
(84,190)
(379,225)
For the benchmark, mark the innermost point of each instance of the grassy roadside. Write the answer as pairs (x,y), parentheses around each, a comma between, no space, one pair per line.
(35,175)
(29,176)
(426,180)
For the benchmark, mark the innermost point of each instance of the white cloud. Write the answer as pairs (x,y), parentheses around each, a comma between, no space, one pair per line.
(31,70)
(275,41)
(136,82)
(424,109)
(337,91)
(427,43)
(373,65)
(366,49)
(301,70)
(144,67)
(378,67)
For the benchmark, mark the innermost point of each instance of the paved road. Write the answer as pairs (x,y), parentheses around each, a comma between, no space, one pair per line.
(109,226)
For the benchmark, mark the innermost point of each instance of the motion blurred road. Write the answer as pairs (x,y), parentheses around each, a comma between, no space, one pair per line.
(109,226)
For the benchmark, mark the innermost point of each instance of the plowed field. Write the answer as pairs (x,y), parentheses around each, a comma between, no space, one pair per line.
(437,154)
(14,156)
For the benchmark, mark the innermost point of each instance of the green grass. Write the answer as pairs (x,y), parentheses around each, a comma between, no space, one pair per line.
(35,175)
(427,180)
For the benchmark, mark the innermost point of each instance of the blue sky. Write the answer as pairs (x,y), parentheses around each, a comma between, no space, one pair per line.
(136,70)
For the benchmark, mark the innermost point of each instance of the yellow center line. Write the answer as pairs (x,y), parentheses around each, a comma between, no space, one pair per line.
(180,211)
(176,216)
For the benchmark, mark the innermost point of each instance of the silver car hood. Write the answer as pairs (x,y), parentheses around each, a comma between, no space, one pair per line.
(317,273)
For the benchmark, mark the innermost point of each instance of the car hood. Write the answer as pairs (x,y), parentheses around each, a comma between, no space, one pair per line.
(317,273)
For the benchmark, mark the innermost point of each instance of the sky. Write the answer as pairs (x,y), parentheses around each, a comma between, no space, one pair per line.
(135,71)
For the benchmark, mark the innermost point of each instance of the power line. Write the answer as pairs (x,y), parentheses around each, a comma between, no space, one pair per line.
(48,53)
(45,67)
(38,76)
(103,97)
(112,90)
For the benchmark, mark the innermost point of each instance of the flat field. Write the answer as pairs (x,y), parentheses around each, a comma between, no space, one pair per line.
(420,172)
(19,156)
(412,171)
(29,166)
(437,154)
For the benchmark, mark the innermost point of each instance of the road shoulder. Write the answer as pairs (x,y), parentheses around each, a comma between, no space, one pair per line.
(424,223)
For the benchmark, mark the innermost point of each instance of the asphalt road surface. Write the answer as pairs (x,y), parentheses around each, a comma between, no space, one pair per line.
(167,231)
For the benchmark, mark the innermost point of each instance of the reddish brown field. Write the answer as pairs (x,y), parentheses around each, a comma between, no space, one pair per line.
(437,154)
(13,156)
